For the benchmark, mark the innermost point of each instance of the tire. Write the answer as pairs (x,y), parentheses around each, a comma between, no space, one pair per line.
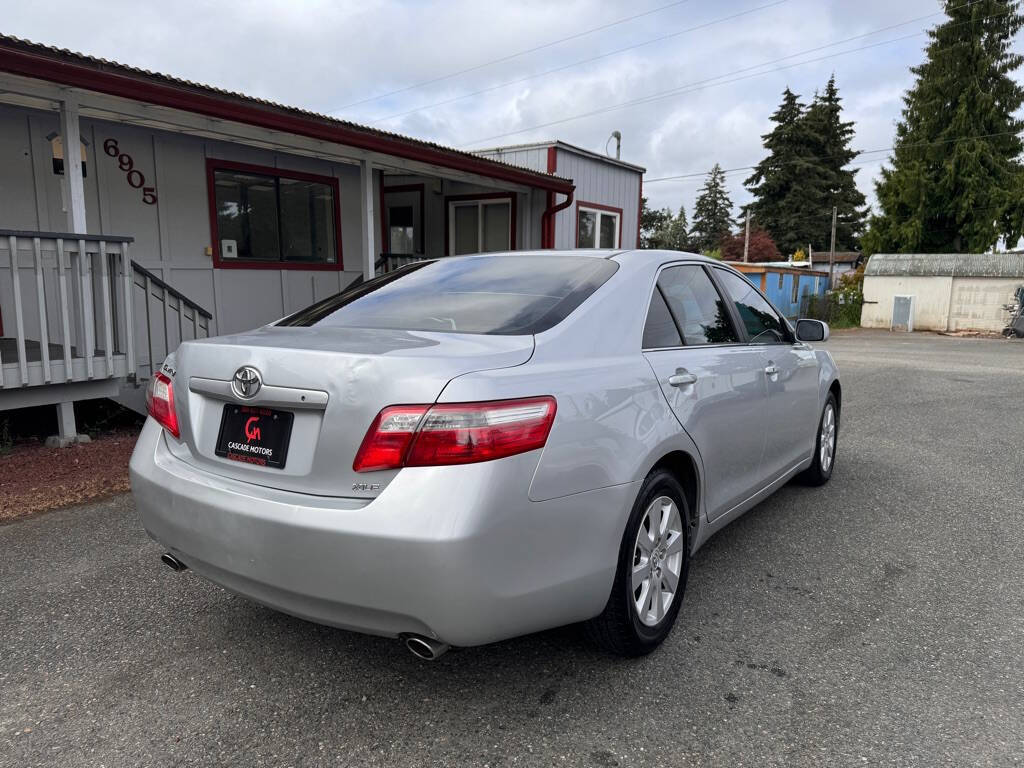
(620,629)
(824,462)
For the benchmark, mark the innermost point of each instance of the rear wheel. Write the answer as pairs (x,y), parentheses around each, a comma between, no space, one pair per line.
(651,574)
(824,446)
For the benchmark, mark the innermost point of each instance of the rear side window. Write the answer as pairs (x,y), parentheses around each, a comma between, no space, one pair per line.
(497,295)
(763,324)
(699,309)
(660,329)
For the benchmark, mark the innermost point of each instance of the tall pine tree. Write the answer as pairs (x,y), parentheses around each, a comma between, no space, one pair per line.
(712,213)
(790,186)
(956,183)
(833,135)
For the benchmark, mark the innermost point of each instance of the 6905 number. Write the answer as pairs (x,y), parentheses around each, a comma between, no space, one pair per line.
(133,175)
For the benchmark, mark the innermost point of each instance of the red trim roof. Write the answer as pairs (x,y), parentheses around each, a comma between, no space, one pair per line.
(23,57)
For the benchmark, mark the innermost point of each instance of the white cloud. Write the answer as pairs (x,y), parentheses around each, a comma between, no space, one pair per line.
(325,55)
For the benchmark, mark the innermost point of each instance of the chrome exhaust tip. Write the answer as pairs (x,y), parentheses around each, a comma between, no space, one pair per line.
(425,648)
(173,563)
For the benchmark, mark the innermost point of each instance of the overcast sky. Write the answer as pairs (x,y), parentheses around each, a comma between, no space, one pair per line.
(348,59)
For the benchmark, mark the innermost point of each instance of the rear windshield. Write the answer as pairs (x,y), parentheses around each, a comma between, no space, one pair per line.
(500,295)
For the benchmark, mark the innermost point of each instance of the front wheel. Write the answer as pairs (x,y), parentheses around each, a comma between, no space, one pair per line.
(651,574)
(824,446)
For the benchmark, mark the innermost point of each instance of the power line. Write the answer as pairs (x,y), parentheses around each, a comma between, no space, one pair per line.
(511,56)
(617,51)
(857,153)
(710,82)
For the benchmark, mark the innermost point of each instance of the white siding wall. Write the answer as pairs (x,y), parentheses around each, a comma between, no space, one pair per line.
(940,303)
(171,237)
(596,182)
(601,183)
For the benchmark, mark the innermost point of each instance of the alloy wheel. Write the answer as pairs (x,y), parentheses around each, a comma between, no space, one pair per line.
(657,560)
(827,441)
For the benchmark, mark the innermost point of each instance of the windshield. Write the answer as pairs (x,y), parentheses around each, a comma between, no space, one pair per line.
(500,295)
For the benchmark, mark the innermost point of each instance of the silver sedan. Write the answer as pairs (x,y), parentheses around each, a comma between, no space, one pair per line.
(474,448)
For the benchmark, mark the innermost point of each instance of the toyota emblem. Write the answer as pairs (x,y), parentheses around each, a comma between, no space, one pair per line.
(246,382)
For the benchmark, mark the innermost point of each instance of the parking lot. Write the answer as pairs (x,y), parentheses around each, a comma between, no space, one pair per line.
(878,620)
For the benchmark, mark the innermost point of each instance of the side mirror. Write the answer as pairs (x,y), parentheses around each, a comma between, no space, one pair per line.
(811,330)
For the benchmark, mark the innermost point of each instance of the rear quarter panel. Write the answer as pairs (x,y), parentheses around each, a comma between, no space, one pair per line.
(613,422)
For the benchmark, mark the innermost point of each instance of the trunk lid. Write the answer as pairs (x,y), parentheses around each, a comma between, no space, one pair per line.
(334,381)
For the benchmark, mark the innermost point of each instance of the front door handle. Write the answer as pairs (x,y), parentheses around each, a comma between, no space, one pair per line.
(771,370)
(682,378)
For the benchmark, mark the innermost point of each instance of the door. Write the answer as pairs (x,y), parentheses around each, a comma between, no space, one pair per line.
(790,372)
(714,383)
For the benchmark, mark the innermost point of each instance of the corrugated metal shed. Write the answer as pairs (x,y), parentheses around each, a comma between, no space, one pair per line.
(947,264)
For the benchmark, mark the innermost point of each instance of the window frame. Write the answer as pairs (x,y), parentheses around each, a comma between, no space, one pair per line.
(481,199)
(216,164)
(600,210)
(385,227)
(738,321)
(741,336)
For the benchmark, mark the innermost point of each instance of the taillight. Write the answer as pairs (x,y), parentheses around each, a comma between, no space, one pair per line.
(160,403)
(454,433)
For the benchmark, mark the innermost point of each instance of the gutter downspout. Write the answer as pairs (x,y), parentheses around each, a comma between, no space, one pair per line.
(548,217)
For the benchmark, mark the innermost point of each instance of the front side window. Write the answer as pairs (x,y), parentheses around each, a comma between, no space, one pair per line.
(267,217)
(762,323)
(699,309)
(497,295)
(480,226)
(597,228)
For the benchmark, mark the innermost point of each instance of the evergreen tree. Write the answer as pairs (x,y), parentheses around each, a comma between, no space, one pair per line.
(712,213)
(790,186)
(676,235)
(833,135)
(652,222)
(956,183)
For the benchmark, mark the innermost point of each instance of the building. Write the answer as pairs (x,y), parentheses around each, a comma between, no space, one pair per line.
(606,211)
(138,210)
(940,291)
(787,287)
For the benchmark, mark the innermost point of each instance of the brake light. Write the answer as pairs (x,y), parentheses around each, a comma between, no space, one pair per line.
(160,403)
(454,433)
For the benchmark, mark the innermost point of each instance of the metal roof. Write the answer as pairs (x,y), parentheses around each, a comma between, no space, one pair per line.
(567,147)
(30,59)
(947,264)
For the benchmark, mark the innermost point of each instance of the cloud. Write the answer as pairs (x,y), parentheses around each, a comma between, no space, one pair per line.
(346,58)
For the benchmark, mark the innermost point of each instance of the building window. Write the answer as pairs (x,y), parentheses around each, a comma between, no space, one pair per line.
(598,226)
(796,288)
(780,281)
(481,225)
(403,219)
(263,217)
(57,150)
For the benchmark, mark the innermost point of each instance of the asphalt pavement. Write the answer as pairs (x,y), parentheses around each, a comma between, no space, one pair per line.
(878,620)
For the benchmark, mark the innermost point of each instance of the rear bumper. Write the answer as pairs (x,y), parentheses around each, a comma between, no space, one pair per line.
(456,553)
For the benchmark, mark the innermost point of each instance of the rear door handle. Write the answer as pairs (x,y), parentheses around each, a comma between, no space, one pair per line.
(771,370)
(682,378)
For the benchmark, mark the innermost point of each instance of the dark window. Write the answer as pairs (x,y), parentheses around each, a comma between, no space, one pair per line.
(263,217)
(660,329)
(702,315)
(763,324)
(401,230)
(501,295)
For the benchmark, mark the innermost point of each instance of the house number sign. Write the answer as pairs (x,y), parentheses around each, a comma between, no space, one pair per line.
(132,174)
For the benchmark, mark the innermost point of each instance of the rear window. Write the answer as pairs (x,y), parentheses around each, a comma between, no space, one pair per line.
(498,295)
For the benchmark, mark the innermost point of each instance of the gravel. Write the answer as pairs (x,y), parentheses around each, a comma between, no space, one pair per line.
(876,621)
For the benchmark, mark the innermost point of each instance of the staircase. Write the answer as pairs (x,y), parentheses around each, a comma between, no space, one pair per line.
(79,319)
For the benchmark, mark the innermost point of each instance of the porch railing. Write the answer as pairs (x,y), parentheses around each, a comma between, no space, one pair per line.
(76,308)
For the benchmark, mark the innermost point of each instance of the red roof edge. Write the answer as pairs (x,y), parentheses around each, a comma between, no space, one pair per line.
(69,69)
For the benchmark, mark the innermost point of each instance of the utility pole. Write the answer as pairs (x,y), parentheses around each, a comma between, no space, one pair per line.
(746,240)
(832,251)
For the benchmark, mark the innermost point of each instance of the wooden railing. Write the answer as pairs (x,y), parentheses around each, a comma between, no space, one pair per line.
(64,295)
(76,308)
